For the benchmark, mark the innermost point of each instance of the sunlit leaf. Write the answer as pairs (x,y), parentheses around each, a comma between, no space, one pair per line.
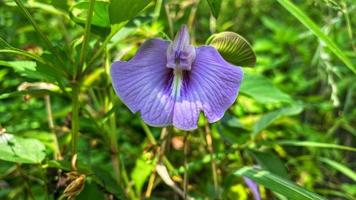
(142,170)
(21,150)
(233,48)
(277,184)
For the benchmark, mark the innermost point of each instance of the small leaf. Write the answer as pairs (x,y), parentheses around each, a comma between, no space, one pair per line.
(271,162)
(7,48)
(277,184)
(233,48)
(262,89)
(143,169)
(215,6)
(121,10)
(21,150)
(270,117)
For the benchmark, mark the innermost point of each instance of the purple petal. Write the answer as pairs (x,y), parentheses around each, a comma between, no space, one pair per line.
(144,83)
(180,54)
(254,188)
(211,86)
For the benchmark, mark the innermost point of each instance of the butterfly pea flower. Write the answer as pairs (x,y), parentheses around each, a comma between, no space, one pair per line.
(170,83)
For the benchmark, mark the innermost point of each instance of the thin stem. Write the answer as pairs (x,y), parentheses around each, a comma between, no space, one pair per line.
(169,19)
(185,182)
(152,139)
(191,19)
(57,152)
(150,185)
(75,120)
(209,142)
(125,178)
(38,30)
(84,49)
(102,47)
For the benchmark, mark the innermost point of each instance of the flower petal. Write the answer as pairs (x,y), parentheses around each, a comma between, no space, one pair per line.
(211,86)
(143,83)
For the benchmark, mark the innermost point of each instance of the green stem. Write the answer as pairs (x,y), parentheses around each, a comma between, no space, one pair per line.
(102,48)
(152,139)
(209,142)
(185,182)
(57,152)
(84,49)
(75,118)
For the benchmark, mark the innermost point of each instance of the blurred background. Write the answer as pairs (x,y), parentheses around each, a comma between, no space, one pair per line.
(295,115)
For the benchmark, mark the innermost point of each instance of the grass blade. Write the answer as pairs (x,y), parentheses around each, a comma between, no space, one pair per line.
(277,184)
(306,21)
(340,167)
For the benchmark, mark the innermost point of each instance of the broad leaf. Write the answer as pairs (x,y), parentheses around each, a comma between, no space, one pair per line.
(277,184)
(262,90)
(21,150)
(215,6)
(233,48)
(24,68)
(122,10)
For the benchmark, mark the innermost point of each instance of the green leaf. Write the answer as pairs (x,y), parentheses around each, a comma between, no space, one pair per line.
(262,90)
(100,23)
(215,6)
(310,144)
(143,169)
(121,10)
(278,184)
(270,117)
(233,48)
(24,68)
(107,182)
(306,21)
(21,150)
(340,167)
(7,48)
(271,162)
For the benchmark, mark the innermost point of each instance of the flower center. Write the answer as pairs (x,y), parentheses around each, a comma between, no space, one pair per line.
(180,57)
(180,54)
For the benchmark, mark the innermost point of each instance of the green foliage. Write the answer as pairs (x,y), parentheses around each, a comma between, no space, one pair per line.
(233,48)
(294,119)
(278,184)
(21,150)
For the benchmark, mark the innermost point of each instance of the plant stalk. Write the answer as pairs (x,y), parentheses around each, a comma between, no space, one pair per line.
(75,121)
(83,51)
(209,142)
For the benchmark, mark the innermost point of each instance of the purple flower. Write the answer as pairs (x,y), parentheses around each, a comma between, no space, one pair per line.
(169,83)
(253,187)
